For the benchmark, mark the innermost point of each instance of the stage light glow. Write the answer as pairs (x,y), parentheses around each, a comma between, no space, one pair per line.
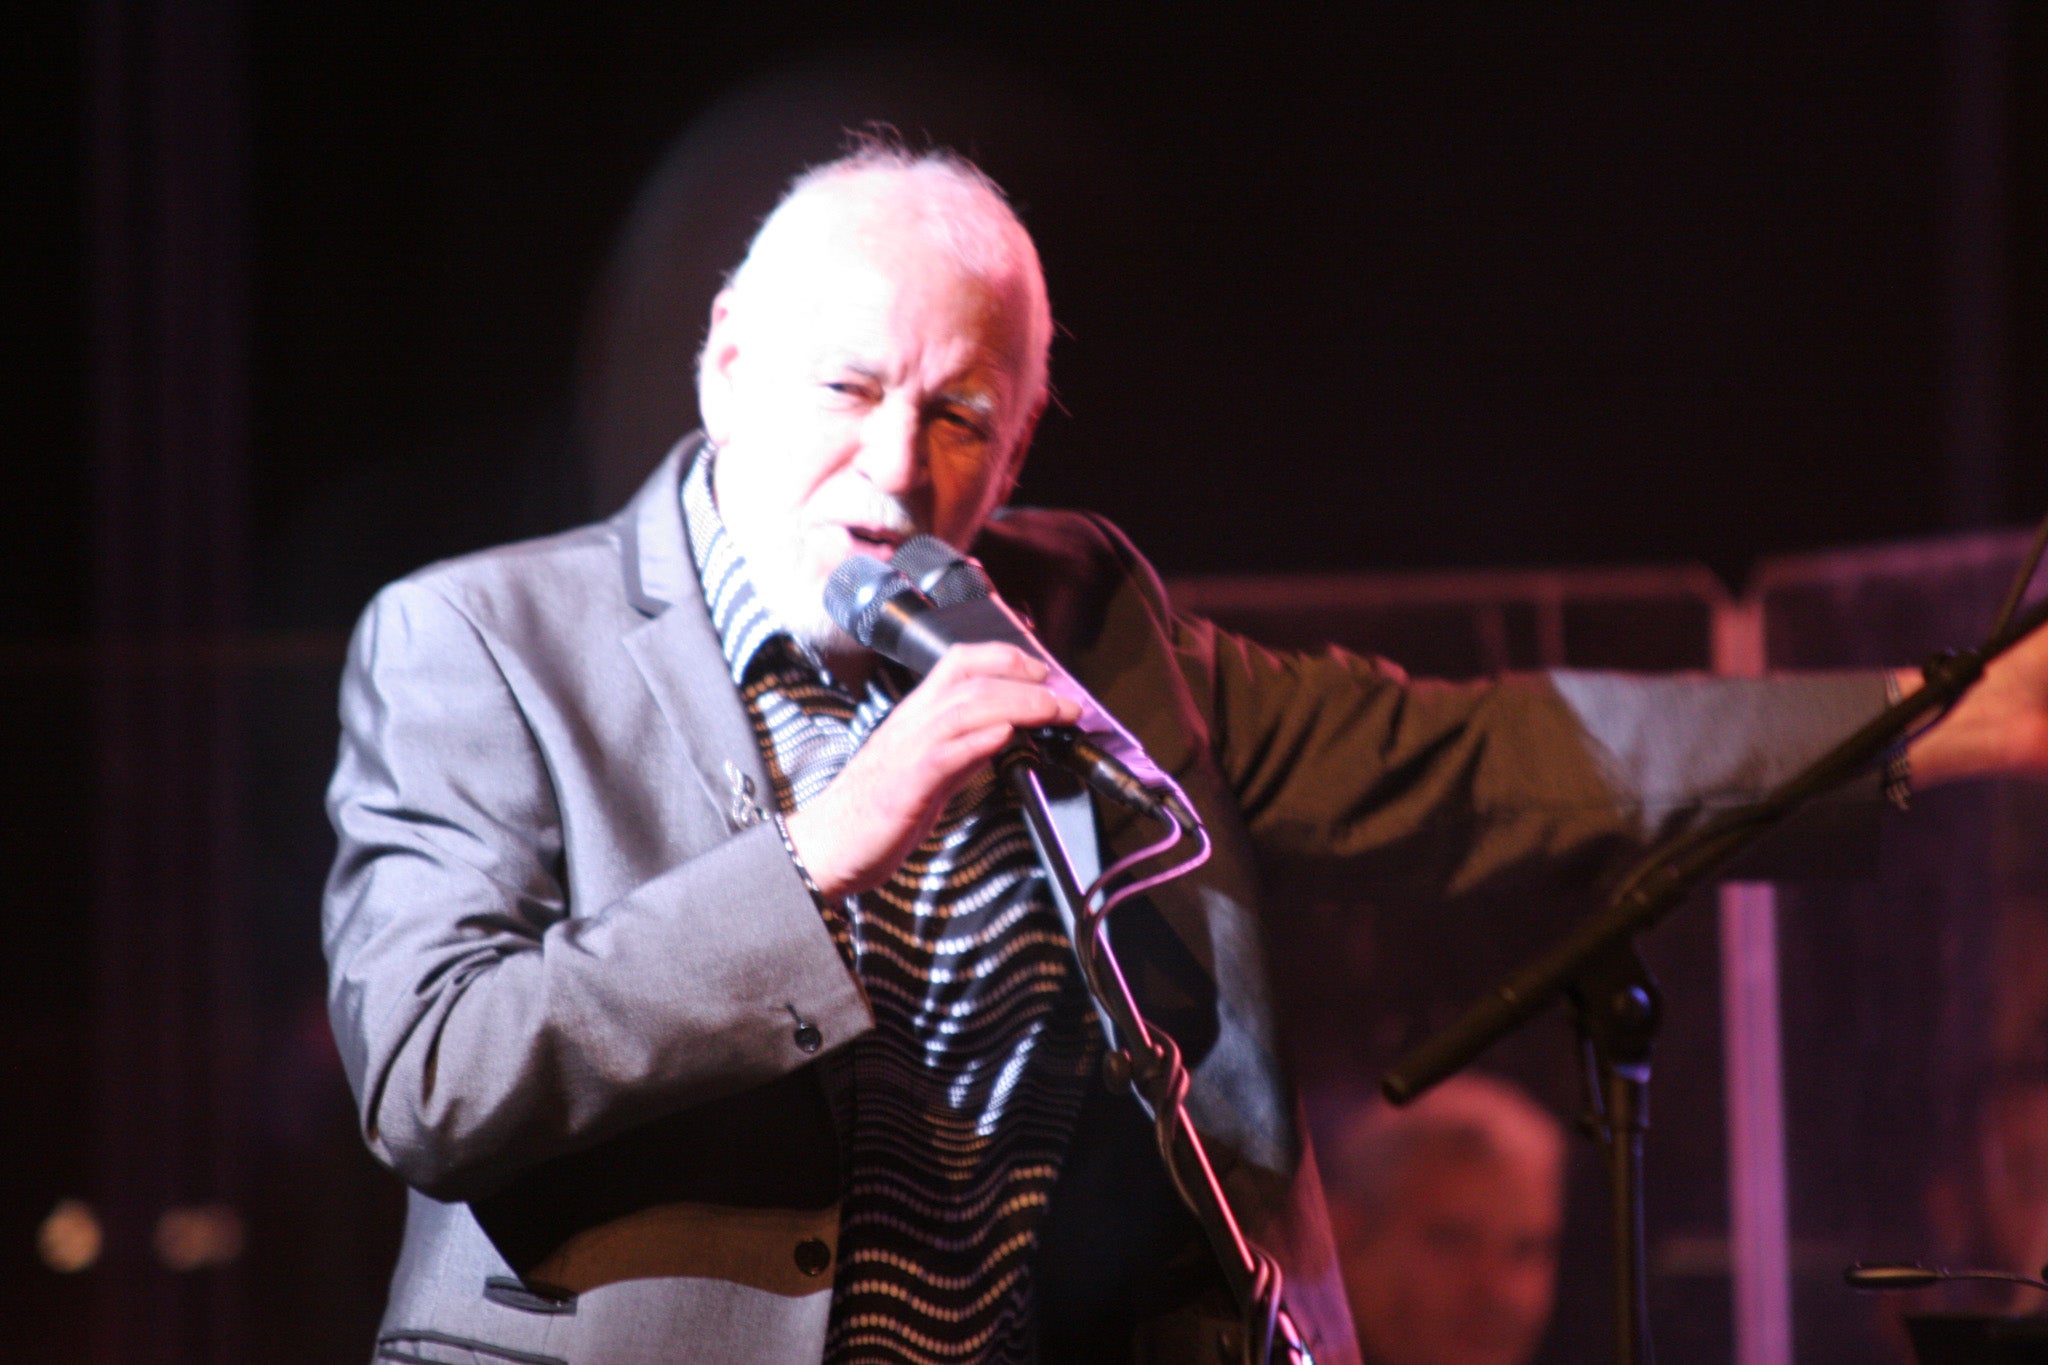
(69,1239)
(195,1236)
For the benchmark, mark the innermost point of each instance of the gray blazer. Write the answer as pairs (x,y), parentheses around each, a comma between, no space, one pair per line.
(592,1017)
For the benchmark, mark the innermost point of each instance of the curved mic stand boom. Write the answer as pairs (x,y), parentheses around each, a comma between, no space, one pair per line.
(1150,1062)
(1613,998)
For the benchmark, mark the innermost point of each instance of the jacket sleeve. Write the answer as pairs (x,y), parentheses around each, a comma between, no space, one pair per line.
(1436,788)
(485,1023)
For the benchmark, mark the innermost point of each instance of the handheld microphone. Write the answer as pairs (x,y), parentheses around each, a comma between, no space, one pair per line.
(941,572)
(962,588)
(885,611)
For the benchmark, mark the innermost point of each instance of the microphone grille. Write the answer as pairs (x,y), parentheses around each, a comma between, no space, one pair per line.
(942,572)
(858,592)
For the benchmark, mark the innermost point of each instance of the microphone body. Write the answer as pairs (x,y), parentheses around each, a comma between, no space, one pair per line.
(884,610)
(975,621)
(941,572)
(954,580)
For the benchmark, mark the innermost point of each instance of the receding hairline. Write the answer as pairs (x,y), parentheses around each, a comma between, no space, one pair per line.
(948,203)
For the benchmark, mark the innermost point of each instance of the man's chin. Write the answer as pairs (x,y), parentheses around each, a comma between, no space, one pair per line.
(795,595)
(826,640)
(802,613)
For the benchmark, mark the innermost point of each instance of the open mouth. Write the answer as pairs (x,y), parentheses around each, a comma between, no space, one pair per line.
(876,540)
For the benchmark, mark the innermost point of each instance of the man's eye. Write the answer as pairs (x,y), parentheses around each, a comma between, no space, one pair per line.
(847,388)
(965,424)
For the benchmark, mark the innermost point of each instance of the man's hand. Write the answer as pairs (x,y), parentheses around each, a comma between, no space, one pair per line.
(1998,729)
(881,806)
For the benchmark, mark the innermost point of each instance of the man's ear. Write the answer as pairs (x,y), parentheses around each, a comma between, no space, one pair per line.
(715,398)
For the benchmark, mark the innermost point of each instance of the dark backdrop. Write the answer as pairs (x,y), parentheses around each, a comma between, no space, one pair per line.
(1403,286)
(1418,285)
(1410,285)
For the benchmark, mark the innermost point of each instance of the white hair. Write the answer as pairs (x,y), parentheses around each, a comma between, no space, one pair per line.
(951,203)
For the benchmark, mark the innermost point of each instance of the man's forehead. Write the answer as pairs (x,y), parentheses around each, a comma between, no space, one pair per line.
(851,310)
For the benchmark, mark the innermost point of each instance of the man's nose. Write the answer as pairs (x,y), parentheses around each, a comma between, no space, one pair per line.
(892,454)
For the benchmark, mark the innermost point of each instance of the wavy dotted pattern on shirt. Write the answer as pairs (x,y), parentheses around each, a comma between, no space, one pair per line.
(965,1097)
(966,1093)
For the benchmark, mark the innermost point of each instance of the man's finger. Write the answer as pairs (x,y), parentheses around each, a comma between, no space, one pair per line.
(989,659)
(988,700)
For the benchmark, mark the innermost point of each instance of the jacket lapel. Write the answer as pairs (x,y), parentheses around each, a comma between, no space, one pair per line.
(676,648)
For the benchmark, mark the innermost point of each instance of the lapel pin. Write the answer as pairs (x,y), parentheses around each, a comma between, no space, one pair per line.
(745,810)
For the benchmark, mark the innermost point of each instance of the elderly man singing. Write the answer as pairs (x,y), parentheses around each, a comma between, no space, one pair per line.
(695,972)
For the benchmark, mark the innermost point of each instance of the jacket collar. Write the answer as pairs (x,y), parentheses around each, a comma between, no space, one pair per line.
(656,558)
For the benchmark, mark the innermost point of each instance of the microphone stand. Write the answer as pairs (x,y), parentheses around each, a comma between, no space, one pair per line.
(1614,1000)
(1615,1011)
(1150,1062)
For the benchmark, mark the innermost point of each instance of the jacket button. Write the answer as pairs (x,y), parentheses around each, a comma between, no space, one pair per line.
(812,1256)
(808,1039)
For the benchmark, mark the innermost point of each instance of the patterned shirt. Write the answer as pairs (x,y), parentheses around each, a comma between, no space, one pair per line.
(965,1094)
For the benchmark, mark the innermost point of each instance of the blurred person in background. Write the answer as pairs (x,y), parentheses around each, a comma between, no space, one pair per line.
(1447,1215)
(1993,1210)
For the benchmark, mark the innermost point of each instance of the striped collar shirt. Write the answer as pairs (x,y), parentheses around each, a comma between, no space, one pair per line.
(964,1096)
